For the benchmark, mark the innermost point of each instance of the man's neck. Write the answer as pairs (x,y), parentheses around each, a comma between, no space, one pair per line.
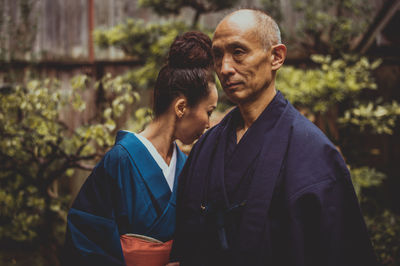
(251,110)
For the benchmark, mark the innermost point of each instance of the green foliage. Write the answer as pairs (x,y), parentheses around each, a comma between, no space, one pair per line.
(321,89)
(169,7)
(383,225)
(385,234)
(139,39)
(174,6)
(365,177)
(163,7)
(325,26)
(142,117)
(334,81)
(37,149)
(149,43)
(373,117)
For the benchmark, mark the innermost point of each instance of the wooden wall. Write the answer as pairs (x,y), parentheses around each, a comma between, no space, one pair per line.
(59,28)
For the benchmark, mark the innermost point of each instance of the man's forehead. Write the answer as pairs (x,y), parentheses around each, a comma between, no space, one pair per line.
(243,17)
(238,25)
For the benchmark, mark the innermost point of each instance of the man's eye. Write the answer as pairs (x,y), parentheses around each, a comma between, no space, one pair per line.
(238,52)
(209,113)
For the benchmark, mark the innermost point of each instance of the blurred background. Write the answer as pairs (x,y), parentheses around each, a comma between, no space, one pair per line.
(73,73)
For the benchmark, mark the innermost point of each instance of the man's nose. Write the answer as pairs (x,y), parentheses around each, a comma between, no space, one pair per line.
(227,66)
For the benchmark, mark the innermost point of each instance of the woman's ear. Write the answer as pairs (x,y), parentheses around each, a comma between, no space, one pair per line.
(278,56)
(180,107)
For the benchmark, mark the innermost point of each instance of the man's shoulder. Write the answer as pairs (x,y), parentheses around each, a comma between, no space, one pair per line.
(303,130)
(312,160)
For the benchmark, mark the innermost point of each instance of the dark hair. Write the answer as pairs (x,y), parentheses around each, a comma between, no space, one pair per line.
(187,72)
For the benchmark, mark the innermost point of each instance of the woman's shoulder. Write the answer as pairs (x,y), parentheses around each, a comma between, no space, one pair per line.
(118,157)
(116,153)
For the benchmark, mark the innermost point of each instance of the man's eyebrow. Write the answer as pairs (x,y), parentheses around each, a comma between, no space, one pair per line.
(231,45)
(237,44)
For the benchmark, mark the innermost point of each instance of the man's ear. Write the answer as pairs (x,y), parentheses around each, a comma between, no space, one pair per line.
(278,56)
(180,106)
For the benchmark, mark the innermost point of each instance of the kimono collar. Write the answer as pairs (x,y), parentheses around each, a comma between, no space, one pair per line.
(149,170)
(273,145)
(240,157)
(228,169)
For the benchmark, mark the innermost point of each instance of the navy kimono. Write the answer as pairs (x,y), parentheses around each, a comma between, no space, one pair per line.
(281,196)
(126,193)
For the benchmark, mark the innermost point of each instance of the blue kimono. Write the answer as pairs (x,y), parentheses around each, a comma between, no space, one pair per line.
(281,196)
(126,193)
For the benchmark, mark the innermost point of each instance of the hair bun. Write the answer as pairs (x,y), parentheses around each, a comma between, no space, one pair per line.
(191,50)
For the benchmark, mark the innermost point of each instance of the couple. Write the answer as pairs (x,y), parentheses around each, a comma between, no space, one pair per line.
(263,187)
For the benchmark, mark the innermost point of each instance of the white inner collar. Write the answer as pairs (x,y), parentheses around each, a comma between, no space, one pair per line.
(168,170)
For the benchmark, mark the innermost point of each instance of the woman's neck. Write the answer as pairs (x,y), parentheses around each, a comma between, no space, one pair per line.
(160,132)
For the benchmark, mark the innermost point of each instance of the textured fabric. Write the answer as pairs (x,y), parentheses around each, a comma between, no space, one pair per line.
(140,252)
(125,193)
(294,203)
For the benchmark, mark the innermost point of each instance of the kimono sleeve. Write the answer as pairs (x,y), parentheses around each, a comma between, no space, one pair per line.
(92,233)
(327,226)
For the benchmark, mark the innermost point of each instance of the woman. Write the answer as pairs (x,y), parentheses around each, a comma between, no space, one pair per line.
(133,188)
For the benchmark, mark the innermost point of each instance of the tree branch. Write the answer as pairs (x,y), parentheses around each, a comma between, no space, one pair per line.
(83,166)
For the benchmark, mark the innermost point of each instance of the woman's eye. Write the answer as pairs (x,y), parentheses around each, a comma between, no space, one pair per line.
(209,113)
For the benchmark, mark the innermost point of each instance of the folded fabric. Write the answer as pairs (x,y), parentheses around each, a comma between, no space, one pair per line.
(141,250)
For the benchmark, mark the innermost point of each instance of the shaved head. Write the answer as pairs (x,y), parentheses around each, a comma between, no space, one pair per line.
(265,27)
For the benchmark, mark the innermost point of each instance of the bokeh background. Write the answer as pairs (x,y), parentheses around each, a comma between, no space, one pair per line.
(73,73)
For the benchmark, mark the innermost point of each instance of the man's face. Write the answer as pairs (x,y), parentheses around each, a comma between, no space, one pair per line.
(242,64)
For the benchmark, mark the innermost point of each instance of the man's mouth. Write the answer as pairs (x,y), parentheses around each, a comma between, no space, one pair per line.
(231,85)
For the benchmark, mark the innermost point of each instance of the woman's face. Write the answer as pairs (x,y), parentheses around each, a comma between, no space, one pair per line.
(197,118)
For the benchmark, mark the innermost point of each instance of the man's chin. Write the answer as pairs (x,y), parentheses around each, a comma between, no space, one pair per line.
(236,97)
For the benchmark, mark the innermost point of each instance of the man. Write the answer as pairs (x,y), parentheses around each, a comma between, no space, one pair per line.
(265,186)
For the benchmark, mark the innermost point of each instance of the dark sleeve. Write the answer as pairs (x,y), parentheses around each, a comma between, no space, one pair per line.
(327,227)
(175,251)
(92,233)
(179,248)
